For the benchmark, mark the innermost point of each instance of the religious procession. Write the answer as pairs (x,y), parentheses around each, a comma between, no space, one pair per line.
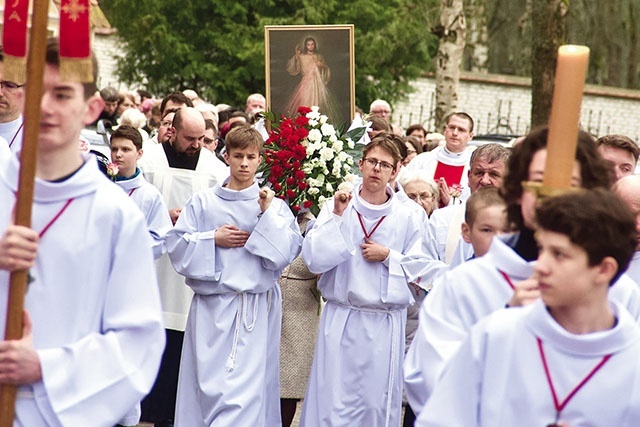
(300,261)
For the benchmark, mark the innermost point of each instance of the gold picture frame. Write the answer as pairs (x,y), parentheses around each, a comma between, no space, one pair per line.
(311,64)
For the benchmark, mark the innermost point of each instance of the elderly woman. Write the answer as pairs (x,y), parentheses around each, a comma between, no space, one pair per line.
(421,189)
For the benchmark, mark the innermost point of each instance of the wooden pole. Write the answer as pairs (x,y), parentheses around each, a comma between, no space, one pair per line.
(18,281)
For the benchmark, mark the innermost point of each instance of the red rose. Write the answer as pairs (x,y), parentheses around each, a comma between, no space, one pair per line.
(302,185)
(290,181)
(295,208)
(290,194)
(299,175)
(277,187)
(307,204)
(304,110)
(302,121)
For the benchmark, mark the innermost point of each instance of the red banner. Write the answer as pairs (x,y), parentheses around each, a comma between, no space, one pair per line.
(14,40)
(75,41)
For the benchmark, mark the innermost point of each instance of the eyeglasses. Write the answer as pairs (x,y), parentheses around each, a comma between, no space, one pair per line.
(380,111)
(9,85)
(421,196)
(372,163)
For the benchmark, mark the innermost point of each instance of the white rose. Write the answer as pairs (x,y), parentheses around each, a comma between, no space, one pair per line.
(337,145)
(323,119)
(314,136)
(329,187)
(320,179)
(345,186)
(350,143)
(346,167)
(313,122)
(313,191)
(327,129)
(326,154)
(321,201)
(342,156)
(315,108)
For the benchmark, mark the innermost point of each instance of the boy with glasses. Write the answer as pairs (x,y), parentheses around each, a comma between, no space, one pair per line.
(356,244)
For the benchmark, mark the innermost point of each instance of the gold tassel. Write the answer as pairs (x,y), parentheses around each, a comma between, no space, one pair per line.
(76,70)
(14,69)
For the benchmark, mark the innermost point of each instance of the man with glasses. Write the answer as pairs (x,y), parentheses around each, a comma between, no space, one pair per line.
(356,244)
(449,165)
(11,107)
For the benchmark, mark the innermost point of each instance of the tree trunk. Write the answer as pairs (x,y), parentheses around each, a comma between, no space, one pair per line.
(632,58)
(449,58)
(548,32)
(477,44)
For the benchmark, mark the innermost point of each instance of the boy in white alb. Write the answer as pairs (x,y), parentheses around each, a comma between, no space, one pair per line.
(126,149)
(93,327)
(356,244)
(572,358)
(502,277)
(232,244)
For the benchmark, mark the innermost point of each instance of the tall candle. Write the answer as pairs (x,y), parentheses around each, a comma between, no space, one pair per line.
(565,115)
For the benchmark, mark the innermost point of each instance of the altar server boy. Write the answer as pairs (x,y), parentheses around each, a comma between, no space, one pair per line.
(485,216)
(93,328)
(126,150)
(572,357)
(232,242)
(503,276)
(357,244)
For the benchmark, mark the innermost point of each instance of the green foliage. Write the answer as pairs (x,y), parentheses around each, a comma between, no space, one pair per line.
(217,46)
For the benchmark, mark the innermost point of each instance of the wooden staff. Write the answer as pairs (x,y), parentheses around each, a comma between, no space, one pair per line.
(18,281)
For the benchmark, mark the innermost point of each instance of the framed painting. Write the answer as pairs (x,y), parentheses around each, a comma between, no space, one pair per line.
(310,65)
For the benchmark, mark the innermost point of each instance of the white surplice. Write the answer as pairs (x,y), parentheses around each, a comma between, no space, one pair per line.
(356,376)
(497,378)
(229,372)
(633,270)
(94,302)
(462,297)
(148,198)
(428,162)
(176,186)
(13,133)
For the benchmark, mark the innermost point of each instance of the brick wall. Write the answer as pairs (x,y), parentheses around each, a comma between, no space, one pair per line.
(502,104)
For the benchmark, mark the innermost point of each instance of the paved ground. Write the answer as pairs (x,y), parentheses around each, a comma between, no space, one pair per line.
(296,420)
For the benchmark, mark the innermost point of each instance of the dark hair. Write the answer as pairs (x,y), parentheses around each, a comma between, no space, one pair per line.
(209,124)
(399,141)
(462,115)
(310,39)
(484,197)
(53,58)
(378,123)
(388,144)
(109,94)
(243,137)
(415,143)
(594,170)
(177,97)
(622,142)
(412,128)
(597,220)
(128,132)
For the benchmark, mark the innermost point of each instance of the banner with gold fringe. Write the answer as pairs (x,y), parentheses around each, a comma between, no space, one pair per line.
(14,41)
(75,41)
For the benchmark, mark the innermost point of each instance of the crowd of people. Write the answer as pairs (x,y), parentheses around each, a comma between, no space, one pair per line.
(441,290)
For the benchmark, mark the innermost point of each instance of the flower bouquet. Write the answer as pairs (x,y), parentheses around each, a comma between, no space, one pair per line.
(306,159)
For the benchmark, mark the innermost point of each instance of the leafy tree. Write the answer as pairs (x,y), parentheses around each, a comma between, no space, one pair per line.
(217,47)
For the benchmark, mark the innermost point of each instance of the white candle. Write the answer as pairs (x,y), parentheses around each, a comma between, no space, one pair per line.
(565,115)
